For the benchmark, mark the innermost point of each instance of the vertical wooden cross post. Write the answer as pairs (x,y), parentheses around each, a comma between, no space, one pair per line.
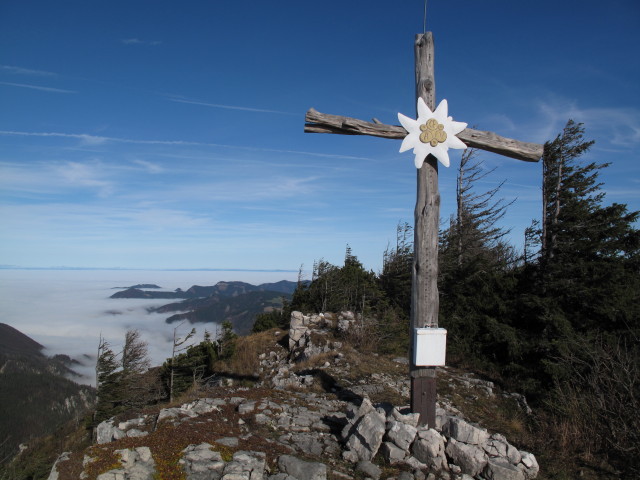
(424,291)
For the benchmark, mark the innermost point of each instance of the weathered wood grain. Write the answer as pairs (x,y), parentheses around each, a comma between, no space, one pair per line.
(317,122)
(425,299)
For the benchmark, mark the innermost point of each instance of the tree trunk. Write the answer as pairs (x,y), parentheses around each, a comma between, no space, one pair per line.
(459,221)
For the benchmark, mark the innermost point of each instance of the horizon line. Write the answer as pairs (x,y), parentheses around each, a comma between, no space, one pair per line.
(269,270)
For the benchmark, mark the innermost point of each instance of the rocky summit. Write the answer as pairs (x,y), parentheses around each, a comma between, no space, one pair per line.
(308,417)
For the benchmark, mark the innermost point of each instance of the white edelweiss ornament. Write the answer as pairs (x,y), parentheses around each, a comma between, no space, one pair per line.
(431,133)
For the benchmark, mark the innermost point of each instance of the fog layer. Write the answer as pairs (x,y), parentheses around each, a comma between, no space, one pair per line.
(67,310)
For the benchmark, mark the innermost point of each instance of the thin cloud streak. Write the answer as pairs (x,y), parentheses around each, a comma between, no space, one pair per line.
(47,178)
(36,87)
(26,71)
(137,41)
(96,140)
(231,107)
(149,166)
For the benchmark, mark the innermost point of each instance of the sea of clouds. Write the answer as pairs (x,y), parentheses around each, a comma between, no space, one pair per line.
(68,310)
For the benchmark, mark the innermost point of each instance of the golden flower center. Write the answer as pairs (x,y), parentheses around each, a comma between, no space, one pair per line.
(433,132)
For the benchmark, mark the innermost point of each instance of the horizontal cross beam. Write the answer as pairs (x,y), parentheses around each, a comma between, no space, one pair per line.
(317,122)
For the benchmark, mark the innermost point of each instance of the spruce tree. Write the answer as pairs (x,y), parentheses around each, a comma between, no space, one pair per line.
(178,346)
(476,278)
(397,264)
(590,251)
(226,341)
(107,381)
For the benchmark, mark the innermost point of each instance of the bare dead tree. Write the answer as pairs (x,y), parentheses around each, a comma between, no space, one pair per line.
(177,348)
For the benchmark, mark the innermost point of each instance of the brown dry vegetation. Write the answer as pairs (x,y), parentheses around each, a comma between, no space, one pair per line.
(245,361)
(538,434)
(168,441)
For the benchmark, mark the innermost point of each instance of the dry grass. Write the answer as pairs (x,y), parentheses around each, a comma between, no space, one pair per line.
(245,361)
(169,440)
(494,412)
(362,366)
(314,362)
(363,335)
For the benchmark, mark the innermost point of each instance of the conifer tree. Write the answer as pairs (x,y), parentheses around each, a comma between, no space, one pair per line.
(475,276)
(227,340)
(334,289)
(178,346)
(107,380)
(474,235)
(590,251)
(397,262)
(569,190)
(135,357)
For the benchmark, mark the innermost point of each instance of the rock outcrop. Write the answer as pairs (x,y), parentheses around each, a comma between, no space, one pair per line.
(275,432)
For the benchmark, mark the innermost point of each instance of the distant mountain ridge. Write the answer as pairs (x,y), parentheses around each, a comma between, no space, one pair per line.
(140,285)
(225,289)
(241,310)
(236,302)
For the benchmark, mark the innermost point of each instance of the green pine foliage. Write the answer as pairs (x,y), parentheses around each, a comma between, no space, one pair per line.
(227,341)
(273,319)
(559,322)
(190,367)
(334,289)
(395,279)
(107,381)
(197,364)
(124,380)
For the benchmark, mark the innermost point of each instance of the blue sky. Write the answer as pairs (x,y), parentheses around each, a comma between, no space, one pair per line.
(162,134)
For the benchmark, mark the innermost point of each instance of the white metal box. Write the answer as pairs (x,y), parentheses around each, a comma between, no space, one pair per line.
(430,347)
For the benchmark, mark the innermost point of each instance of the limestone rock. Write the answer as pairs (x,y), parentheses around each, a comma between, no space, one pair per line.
(245,466)
(200,462)
(134,432)
(302,470)
(513,454)
(464,432)
(246,407)
(529,465)
(401,434)
(135,422)
(429,449)
(228,441)
(406,418)
(392,453)
(137,464)
(107,432)
(204,405)
(369,469)
(501,469)
(367,435)
(53,475)
(470,458)
(296,320)
(414,463)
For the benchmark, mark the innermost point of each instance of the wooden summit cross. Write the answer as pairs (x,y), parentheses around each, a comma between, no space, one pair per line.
(424,290)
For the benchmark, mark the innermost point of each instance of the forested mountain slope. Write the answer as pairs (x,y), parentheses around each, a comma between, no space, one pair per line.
(35,394)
